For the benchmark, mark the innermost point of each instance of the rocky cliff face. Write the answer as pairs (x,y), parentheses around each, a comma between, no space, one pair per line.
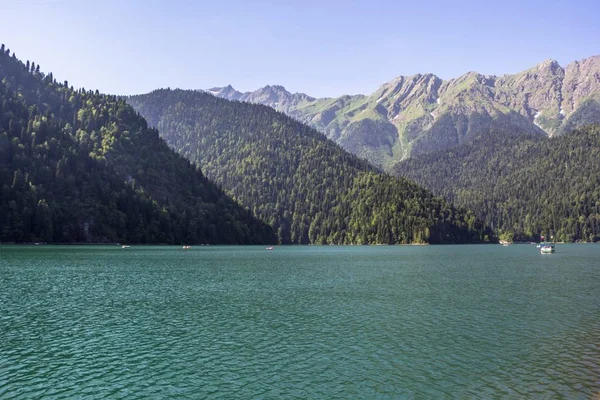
(422,113)
(535,94)
(581,83)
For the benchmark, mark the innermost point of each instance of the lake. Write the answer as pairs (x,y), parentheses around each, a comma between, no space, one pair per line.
(214,322)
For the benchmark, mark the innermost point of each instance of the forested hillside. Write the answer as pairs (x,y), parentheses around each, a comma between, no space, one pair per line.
(523,186)
(303,185)
(79,166)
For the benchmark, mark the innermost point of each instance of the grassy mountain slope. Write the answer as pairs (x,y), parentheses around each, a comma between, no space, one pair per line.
(79,166)
(303,185)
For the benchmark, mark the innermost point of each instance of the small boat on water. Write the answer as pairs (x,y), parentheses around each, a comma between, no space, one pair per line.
(125,246)
(547,248)
(270,248)
(187,247)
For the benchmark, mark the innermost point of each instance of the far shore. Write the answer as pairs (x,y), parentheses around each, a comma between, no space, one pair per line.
(223,244)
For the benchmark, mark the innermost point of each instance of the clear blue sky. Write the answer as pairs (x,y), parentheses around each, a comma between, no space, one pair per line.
(322,48)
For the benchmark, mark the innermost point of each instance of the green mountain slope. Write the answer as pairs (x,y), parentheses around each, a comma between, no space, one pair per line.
(521,185)
(418,114)
(303,185)
(79,166)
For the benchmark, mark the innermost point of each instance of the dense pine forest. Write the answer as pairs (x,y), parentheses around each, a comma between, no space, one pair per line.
(523,186)
(303,185)
(79,166)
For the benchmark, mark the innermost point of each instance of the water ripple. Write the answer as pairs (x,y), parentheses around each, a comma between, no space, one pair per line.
(239,322)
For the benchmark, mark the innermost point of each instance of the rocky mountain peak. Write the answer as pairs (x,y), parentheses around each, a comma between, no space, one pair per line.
(581,83)
(275,96)
(227,92)
(277,88)
(549,64)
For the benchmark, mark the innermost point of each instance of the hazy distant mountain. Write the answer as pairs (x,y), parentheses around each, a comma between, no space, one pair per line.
(423,113)
(273,96)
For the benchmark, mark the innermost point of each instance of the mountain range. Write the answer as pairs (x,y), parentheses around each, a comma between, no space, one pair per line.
(81,166)
(420,114)
(306,187)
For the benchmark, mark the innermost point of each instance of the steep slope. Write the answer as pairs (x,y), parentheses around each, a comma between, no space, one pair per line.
(305,186)
(78,166)
(422,113)
(521,185)
(581,83)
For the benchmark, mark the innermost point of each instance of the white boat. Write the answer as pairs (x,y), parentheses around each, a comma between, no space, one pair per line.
(125,246)
(270,248)
(187,247)
(547,248)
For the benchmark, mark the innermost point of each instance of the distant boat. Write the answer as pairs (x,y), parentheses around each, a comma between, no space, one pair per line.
(270,248)
(187,247)
(547,248)
(125,246)
(505,245)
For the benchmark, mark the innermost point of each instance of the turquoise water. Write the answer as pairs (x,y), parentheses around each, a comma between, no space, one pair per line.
(299,322)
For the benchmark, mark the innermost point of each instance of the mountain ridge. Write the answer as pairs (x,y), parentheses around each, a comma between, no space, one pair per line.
(422,113)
